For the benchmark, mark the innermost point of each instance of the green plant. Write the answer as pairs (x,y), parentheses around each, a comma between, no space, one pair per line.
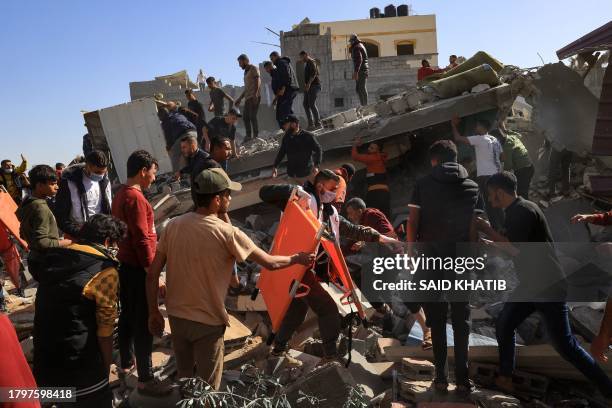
(357,398)
(253,390)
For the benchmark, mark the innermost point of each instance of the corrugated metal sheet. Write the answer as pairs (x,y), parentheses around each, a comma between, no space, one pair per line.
(602,138)
(133,126)
(599,39)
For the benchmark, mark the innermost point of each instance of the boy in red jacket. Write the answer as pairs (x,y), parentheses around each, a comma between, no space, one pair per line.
(136,253)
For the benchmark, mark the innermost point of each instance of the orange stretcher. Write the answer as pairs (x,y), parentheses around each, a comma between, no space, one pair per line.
(9,225)
(300,231)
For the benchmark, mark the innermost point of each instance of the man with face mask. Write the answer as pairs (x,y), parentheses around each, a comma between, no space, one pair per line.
(11,178)
(84,191)
(303,151)
(318,197)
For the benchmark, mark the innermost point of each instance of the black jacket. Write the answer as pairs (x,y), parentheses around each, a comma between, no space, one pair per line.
(278,195)
(66,350)
(303,153)
(286,76)
(448,200)
(199,162)
(360,57)
(63,201)
(311,71)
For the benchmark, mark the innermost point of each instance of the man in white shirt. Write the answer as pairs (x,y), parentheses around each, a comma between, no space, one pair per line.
(84,191)
(489,159)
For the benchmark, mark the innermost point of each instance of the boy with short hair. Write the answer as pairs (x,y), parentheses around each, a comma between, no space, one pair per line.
(38,226)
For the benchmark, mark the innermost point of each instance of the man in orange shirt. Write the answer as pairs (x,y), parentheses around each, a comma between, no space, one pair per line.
(378,195)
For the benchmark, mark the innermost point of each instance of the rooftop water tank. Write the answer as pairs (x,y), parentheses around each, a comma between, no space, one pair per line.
(375,12)
(403,11)
(390,11)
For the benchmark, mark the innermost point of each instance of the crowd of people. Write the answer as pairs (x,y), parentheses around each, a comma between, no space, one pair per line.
(97,256)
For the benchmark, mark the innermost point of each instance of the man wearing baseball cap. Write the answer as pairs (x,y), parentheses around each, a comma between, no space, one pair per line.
(199,250)
(303,151)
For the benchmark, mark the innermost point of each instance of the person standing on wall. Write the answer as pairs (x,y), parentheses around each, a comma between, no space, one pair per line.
(287,86)
(251,96)
(361,68)
(312,88)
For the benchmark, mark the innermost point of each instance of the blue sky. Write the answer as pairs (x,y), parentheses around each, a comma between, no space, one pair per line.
(58,57)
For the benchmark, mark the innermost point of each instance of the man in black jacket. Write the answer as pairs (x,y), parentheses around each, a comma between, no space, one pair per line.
(287,86)
(443,213)
(312,87)
(196,107)
(361,68)
(83,192)
(303,152)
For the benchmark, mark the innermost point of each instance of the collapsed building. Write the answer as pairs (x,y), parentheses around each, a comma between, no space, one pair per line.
(391,366)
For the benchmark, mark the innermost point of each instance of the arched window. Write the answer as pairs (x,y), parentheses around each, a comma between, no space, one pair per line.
(405,47)
(371,48)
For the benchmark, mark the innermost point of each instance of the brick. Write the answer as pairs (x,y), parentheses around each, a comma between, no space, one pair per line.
(527,384)
(421,370)
(385,342)
(416,391)
(331,382)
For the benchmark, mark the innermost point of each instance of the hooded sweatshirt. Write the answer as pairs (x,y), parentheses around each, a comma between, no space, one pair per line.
(38,226)
(285,73)
(448,199)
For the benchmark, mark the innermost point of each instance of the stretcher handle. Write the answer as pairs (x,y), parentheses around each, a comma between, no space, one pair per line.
(295,286)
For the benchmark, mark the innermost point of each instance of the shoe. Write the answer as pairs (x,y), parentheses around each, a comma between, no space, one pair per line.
(155,388)
(464,389)
(504,384)
(427,343)
(285,360)
(440,386)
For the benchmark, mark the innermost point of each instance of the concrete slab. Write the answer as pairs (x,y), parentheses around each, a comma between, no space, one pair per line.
(366,375)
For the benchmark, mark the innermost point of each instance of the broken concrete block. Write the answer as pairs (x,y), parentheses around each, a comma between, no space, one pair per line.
(331,382)
(420,370)
(236,333)
(417,391)
(526,384)
(255,222)
(334,121)
(350,115)
(398,105)
(366,375)
(384,342)
(385,369)
(161,356)
(382,108)
(252,320)
(480,88)
(252,349)
(493,399)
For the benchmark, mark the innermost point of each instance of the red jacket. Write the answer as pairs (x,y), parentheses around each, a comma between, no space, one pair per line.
(602,219)
(15,372)
(138,247)
(374,218)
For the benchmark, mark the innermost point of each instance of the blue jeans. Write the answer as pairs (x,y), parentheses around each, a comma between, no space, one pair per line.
(555,317)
